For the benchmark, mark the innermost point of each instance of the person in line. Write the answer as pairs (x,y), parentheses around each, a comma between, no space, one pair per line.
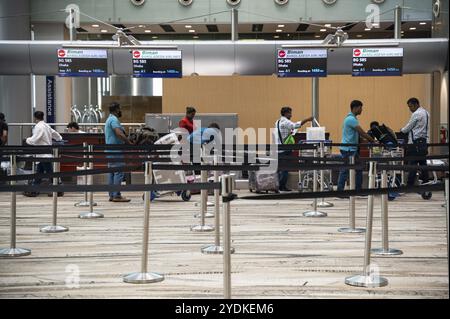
(115,135)
(418,137)
(3,130)
(73,127)
(204,135)
(373,125)
(188,121)
(283,128)
(351,132)
(44,135)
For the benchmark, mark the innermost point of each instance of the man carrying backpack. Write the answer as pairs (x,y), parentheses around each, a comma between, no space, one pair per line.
(283,129)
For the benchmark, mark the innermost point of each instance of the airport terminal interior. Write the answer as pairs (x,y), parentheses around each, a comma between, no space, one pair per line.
(224,149)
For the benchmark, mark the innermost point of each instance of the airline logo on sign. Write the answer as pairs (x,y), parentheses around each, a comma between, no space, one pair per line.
(82,54)
(157,54)
(303,54)
(378,53)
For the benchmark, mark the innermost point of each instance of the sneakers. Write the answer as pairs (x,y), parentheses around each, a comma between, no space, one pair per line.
(120,199)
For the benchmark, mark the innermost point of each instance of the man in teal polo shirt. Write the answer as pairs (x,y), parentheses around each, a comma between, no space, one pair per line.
(115,135)
(351,131)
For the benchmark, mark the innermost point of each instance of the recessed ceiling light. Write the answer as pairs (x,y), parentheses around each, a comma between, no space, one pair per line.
(422,23)
(148,31)
(95,26)
(188,26)
(323,30)
(367,29)
(192,31)
(328,25)
(103,31)
(412,28)
(278,30)
(281,25)
(154,37)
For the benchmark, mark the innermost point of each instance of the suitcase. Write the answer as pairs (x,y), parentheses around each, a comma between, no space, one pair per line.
(263,182)
(385,135)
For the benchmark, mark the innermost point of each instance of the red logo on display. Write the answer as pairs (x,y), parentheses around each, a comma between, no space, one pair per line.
(61,53)
(136,54)
(282,54)
(356,52)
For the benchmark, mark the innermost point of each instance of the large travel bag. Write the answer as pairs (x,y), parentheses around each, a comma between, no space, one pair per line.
(263,182)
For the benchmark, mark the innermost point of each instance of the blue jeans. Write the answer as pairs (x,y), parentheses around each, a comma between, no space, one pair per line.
(41,169)
(343,174)
(115,178)
(283,175)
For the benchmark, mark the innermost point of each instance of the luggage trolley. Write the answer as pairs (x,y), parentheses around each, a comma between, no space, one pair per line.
(169,177)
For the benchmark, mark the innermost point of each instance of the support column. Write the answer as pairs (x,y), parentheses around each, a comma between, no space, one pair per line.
(315,99)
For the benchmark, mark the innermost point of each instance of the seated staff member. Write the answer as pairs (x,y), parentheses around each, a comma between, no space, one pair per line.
(283,128)
(73,127)
(188,121)
(417,130)
(351,131)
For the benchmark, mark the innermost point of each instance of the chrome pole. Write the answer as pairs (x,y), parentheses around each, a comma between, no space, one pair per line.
(385,250)
(91,214)
(227,190)
(144,277)
(203,202)
(370,277)
(86,202)
(398,22)
(447,207)
(314,212)
(55,228)
(323,203)
(216,248)
(13,251)
(351,216)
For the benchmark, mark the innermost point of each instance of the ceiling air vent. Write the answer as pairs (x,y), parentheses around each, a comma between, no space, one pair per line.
(185,2)
(281,2)
(137,3)
(233,2)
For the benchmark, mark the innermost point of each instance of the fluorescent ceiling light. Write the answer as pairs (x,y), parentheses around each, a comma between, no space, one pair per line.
(367,29)
(148,31)
(323,30)
(281,25)
(188,26)
(95,26)
(276,36)
(154,37)
(278,30)
(192,31)
(328,25)
(412,28)
(195,37)
(422,23)
(103,31)
(359,35)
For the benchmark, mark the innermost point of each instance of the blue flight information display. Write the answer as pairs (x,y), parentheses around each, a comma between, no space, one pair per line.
(302,62)
(157,63)
(377,62)
(83,62)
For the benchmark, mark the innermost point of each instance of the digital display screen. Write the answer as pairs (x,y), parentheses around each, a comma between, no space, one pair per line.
(157,63)
(377,62)
(83,62)
(302,62)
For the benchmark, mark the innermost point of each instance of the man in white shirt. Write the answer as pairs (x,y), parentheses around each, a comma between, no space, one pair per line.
(283,128)
(43,135)
(417,130)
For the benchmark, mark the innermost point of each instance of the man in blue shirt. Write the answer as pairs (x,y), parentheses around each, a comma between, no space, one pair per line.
(351,131)
(115,135)
(205,135)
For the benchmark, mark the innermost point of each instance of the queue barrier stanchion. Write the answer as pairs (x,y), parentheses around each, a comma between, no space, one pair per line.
(55,228)
(447,204)
(385,250)
(351,209)
(370,277)
(90,214)
(145,277)
(85,202)
(216,248)
(323,203)
(203,208)
(204,204)
(227,195)
(13,251)
(314,212)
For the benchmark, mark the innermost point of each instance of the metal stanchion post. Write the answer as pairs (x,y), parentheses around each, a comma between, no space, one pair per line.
(54,228)
(385,250)
(91,214)
(144,277)
(216,248)
(351,216)
(13,251)
(447,206)
(402,174)
(314,212)
(204,204)
(369,277)
(86,202)
(204,199)
(227,190)
(322,202)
